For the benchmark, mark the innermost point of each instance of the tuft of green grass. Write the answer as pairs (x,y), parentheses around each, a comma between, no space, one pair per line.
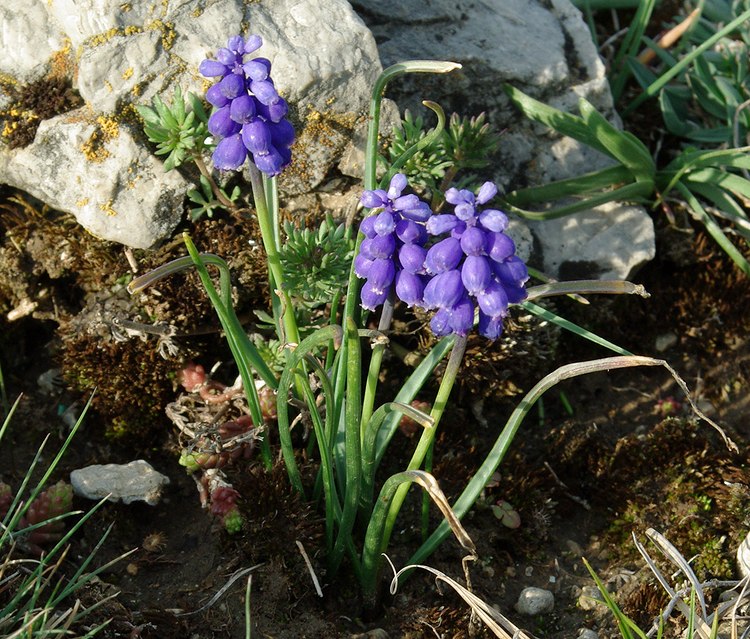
(37,595)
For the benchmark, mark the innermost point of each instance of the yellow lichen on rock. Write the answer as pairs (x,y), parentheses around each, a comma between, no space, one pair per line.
(167,31)
(107,208)
(94,149)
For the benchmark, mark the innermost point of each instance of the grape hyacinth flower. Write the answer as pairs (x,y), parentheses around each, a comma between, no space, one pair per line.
(393,248)
(474,266)
(249,116)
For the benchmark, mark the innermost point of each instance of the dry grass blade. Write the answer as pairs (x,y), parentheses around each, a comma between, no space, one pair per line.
(500,626)
(313,576)
(702,621)
(237,575)
(429,483)
(671,553)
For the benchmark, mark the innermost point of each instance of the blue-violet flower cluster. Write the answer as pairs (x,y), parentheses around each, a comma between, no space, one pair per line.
(393,248)
(250,116)
(472,267)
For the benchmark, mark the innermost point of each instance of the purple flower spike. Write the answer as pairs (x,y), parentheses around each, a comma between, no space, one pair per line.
(246,96)
(226,57)
(443,256)
(378,247)
(394,234)
(372,298)
(264,91)
(476,274)
(212,69)
(461,319)
(474,266)
(440,224)
(384,223)
(253,43)
(499,246)
(257,69)
(493,220)
(381,273)
(493,300)
(487,191)
(440,323)
(411,257)
(362,265)
(270,163)
(232,85)
(220,123)
(491,328)
(216,97)
(242,109)
(409,232)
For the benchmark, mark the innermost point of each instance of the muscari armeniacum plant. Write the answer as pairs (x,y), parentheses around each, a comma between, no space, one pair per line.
(459,263)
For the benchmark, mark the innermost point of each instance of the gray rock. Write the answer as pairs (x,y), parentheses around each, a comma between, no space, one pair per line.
(75,164)
(608,242)
(545,50)
(587,633)
(120,54)
(136,481)
(589,598)
(535,601)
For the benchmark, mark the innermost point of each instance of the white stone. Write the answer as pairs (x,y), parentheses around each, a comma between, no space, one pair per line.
(136,481)
(28,38)
(535,601)
(587,633)
(325,62)
(608,242)
(135,204)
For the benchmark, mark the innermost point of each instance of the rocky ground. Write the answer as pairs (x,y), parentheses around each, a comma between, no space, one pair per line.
(610,456)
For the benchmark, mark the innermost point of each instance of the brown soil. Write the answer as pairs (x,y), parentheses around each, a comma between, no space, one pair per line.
(582,483)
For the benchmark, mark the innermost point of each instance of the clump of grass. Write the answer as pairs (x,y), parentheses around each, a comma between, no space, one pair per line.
(37,596)
(687,597)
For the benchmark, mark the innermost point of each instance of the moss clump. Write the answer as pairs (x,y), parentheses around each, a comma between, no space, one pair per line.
(30,104)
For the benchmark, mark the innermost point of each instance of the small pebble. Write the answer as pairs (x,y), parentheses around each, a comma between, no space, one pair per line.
(589,598)
(136,481)
(665,342)
(535,601)
(586,633)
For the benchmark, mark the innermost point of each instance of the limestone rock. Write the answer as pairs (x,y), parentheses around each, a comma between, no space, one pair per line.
(545,50)
(118,55)
(76,165)
(136,481)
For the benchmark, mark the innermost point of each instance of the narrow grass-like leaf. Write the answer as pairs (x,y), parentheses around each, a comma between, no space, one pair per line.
(369,444)
(560,121)
(685,62)
(629,47)
(409,391)
(626,625)
(578,186)
(502,444)
(319,338)
(573,328)
(621,145)
(376,539)
(352,443)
